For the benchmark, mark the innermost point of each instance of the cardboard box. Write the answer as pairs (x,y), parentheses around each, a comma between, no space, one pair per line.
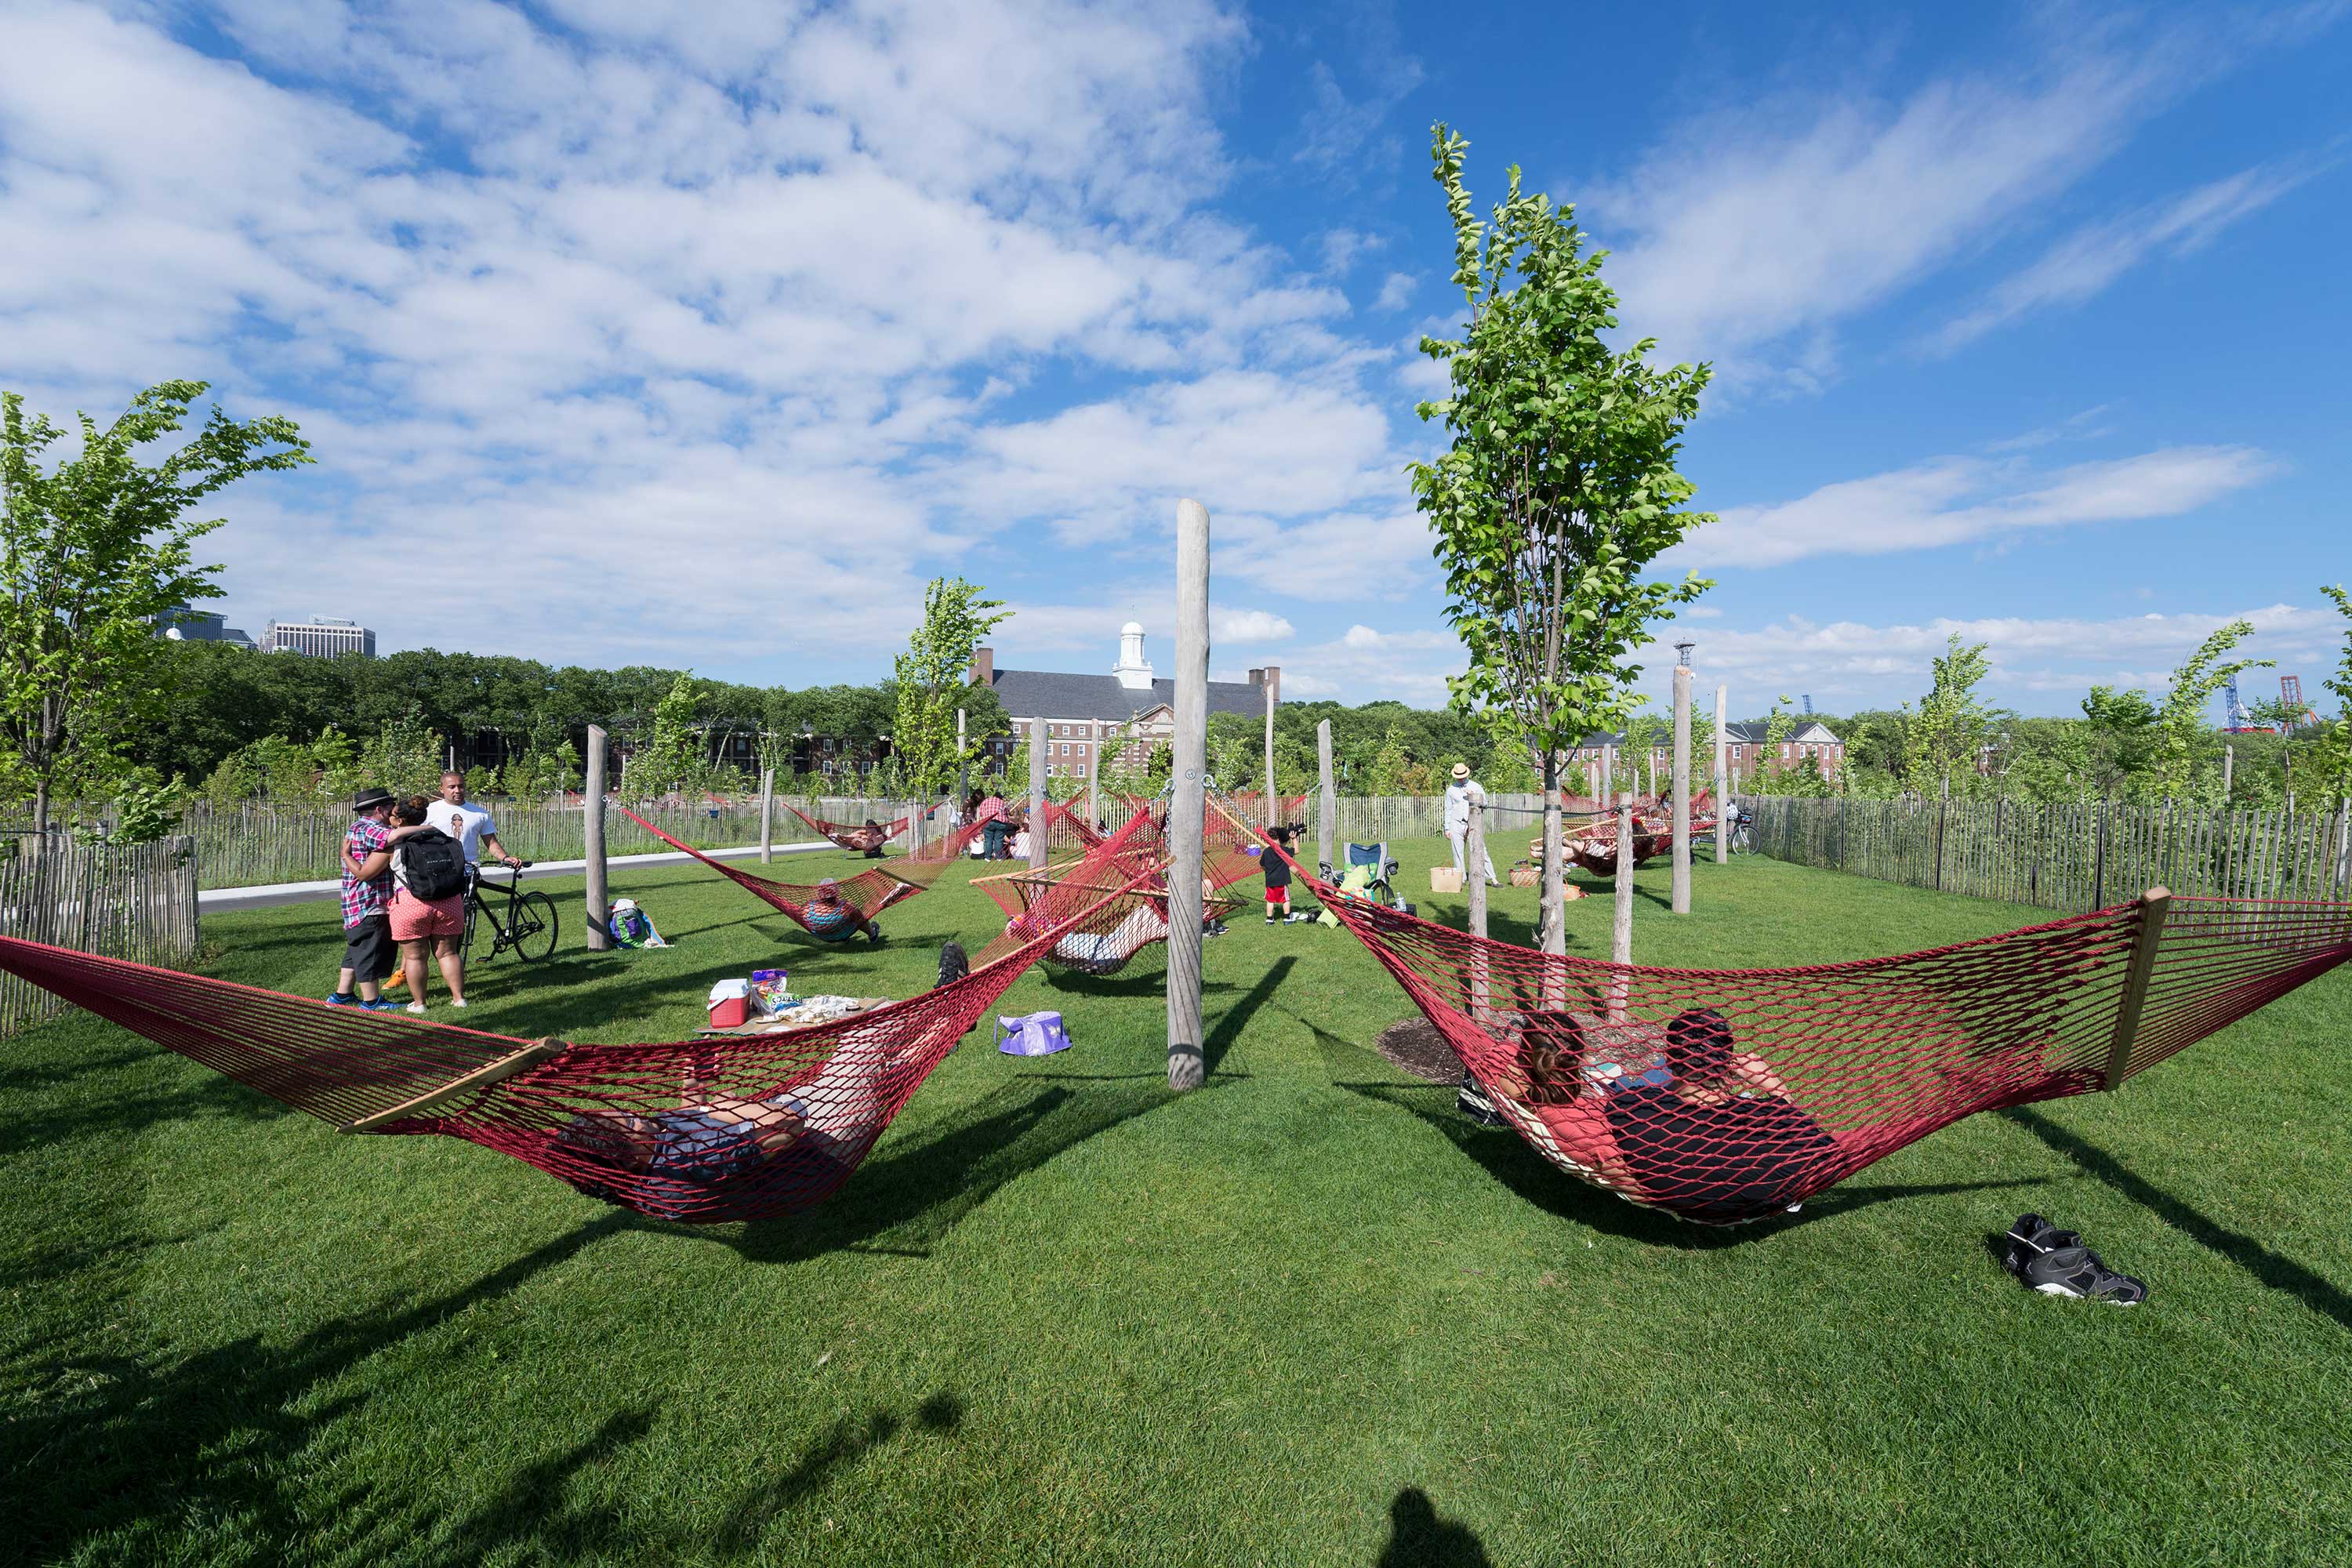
(1444,879)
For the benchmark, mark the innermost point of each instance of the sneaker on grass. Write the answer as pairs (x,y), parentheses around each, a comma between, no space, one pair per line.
(2055,1263)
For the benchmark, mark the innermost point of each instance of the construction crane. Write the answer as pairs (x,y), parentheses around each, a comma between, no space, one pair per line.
(2291,700)
(2237,714)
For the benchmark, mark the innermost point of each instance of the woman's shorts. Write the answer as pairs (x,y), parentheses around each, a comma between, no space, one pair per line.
(416,920)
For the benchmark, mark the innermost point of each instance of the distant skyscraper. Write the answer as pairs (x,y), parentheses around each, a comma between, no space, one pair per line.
(181,624)
(322,637)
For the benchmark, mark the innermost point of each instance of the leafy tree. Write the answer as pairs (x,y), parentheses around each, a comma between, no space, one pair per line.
(932,677)
(1559,488)
(1391,765)
(2332,750)
(1946,734)
(673,755)
(91,553)
(2184,730)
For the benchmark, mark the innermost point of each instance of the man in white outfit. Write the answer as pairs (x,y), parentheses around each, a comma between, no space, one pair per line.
(469,823)
(1457,819)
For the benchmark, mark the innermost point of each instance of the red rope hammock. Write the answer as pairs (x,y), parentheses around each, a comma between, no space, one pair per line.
(1727,1095)
(698,1131)
(861,899)
(857,838)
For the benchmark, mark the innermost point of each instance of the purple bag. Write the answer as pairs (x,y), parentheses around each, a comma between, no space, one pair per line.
(1036,1034)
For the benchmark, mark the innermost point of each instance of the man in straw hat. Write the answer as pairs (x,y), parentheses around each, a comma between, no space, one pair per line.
(1457,820)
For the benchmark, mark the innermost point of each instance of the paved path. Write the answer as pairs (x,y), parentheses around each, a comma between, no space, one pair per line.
(214,899)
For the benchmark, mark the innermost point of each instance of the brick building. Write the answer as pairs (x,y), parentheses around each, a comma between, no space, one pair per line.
(1135,708)
(1749,748)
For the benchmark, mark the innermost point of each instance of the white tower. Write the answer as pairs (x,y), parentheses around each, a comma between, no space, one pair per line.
(1133,670)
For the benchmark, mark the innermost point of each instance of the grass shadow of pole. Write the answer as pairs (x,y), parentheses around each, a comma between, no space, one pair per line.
(1419,1537)
(2267,1267)
(1236,1018)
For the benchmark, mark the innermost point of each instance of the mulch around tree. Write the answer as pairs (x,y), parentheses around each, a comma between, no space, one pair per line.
(1415,1046)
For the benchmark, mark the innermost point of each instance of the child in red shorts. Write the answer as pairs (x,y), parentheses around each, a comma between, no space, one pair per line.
(1278,877)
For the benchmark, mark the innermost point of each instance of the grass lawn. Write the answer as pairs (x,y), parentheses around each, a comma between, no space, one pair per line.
(1305,1315)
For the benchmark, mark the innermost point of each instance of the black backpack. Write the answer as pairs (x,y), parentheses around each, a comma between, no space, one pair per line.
(434,863)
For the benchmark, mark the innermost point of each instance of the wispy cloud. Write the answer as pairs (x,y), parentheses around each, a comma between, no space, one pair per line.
(1955,500)
(2085,262)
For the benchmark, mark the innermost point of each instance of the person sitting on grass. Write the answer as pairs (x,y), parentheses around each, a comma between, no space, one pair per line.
(420,851)
(829,918)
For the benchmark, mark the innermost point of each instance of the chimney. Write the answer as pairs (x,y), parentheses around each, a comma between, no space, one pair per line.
(984,666)
(1257,677)
(1274,680)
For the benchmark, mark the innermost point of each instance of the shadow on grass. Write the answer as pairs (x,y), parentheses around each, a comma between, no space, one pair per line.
(123,1445)
(1507,1157)
(1236,1018)
(844,1443)
(123,1113)
(1418,1538)
(907,1201)
(2276,1272)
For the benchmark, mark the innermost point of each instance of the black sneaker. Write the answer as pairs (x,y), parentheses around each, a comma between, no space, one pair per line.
(2056,1263)
(953,962)
(874,932)
(1473,1101)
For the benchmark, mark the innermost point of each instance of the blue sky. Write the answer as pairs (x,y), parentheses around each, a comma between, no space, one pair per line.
(705,335)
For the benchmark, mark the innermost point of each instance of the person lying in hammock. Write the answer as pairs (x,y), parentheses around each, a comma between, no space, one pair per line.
(868,839)
(830,919)
(1716,1139)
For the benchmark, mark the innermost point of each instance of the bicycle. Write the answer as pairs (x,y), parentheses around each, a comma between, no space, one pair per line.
(530,926)
(1743,836)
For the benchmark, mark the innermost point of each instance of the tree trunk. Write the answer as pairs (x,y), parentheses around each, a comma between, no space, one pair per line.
(41,808)
(1552,920)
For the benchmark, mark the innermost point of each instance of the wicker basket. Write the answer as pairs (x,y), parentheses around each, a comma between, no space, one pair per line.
(1525,876)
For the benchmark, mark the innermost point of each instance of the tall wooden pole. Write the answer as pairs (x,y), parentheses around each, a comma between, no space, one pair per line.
(1474,858)
(1682,789)
(1621,930)
(592,829)
(1094,773)
(1273,808)
(1327,819)
(1190,746)
(1722,777)
(963,765)
(2228,768)
(1036,793)
(767,815)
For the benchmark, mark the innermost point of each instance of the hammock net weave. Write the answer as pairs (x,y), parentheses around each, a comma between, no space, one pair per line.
(731,1129)
(861,897)
(1726,1096)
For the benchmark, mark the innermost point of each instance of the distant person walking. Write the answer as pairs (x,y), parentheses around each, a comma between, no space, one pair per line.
(1457,821)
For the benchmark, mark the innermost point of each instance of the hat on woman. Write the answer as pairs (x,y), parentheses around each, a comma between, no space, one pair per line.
(1461,770)
(370,797)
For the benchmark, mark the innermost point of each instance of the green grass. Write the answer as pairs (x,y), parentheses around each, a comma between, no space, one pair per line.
(1061,1317)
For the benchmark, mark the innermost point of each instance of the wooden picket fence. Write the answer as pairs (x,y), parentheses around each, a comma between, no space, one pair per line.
(258,845)
(2072,857)
(138,901)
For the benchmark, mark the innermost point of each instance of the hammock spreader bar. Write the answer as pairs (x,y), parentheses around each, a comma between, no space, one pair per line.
(699,1130)
(863,897)
(1726,1096)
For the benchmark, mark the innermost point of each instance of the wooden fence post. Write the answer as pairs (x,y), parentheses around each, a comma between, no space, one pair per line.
(2153,906)
(767,815)
(1190,746)
(591,824)
(1327,818)
(1682,816)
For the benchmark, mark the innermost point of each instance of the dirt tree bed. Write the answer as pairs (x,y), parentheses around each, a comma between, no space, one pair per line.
(1415,1046)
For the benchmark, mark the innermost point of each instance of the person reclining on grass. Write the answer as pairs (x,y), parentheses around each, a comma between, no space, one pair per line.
(830,920)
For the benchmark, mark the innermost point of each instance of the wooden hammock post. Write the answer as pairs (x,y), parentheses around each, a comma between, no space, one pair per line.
(1474,856)
(1621,930)
(1722,778)
(963,765)
(1682,789)
(1327,819)
(2153,906)
(1273,806)
(767,815)
(1190,744)
(1037,795)
(592,828)
(1094,773)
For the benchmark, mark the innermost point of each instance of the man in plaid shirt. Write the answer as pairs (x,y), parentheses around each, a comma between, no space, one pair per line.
(368,948)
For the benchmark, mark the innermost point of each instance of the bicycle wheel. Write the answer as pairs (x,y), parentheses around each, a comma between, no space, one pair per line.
(532,932)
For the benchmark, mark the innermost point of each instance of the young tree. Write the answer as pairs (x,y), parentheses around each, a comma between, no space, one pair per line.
(1559,488)
(2184,729)
(673,755)
(932,676)
(90,555)
(1947,733)
(1391,766)
(2331,753)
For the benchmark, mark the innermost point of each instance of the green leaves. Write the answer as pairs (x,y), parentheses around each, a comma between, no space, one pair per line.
(931,682)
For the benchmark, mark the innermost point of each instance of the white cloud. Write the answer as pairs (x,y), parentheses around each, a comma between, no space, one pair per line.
(2086,261)
(1248,626)
(2039,664)
(1396,292)
(1952,500)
